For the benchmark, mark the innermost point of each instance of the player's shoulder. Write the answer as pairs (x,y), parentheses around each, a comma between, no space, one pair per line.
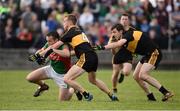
(128,33)
(75,29)
(131,28)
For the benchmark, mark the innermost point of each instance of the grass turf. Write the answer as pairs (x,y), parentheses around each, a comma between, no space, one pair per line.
(16,94)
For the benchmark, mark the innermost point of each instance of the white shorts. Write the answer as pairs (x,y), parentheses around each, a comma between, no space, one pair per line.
(58,78)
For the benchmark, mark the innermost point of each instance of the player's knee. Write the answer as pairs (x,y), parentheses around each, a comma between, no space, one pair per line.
(136,76)
(143,75)
(66,80)
(126,73)
(116,72)
(92,81)
(29,78)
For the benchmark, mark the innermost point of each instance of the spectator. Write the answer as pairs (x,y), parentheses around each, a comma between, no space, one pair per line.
(8,37)
(93,33)
(144,26)
(36,7)
(25,3)
(51,23)
(46,15)
(95,8)
(153,36)
(102,12)
(86,18)
(25,38)
(176,29)
(112,15)
(104,32)
(27,17)
(148,9)
(161,14)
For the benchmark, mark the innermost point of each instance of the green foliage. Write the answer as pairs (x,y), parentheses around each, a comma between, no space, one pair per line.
(16,93)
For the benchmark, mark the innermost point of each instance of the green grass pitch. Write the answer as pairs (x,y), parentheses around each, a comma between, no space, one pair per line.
(16,94)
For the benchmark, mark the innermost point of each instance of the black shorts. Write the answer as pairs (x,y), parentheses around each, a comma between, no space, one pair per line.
(122,56)
(88,61)
(153,58)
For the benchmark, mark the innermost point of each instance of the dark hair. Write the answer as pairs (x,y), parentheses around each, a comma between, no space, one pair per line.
(119,27)
(54,34)
(124,14)
(72,18)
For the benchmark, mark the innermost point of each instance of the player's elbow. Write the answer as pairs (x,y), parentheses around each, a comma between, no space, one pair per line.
(66,54)
(57,44)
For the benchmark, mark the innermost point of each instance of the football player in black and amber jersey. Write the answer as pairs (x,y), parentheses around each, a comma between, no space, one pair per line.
(87,58)
(138,43)
(122,58)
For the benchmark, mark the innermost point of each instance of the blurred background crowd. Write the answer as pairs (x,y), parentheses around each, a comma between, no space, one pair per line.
(24,23)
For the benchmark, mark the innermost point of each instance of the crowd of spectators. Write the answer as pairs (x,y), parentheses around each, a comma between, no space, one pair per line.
(24,23)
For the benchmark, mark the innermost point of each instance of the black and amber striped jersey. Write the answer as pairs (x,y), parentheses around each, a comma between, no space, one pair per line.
(138,43)
(130,29)
(115,39)
(78,40)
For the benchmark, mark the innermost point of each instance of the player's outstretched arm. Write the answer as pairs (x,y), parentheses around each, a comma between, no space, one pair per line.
(119,43)
(64,53)
(113,45)
(45,52)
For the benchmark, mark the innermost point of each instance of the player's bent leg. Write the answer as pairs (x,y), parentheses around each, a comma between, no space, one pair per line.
(145,75)
(121,75)
(65,94)
(116,70)
(101,85)
(142,83)
(36,76)
(69,78)
(127,67)
(41,89)
(78,95)
(125,71)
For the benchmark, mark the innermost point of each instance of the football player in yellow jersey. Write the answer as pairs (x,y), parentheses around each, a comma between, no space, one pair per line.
(138,43)
(124,20)
(87,58)
(122,58)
